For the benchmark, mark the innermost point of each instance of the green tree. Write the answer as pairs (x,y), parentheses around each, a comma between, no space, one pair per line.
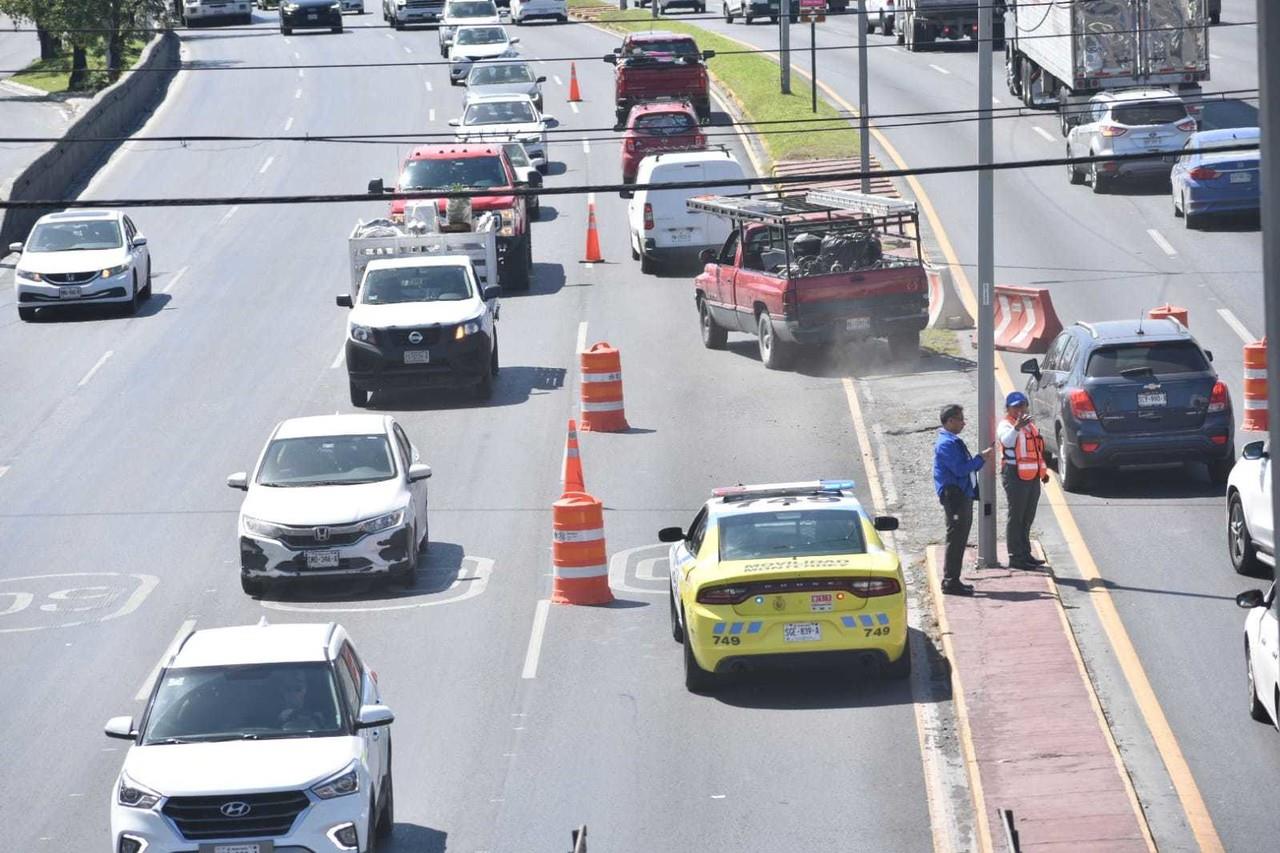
(35,12)
(83,24)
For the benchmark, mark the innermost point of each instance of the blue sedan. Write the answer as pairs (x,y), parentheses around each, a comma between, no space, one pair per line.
(1206,182)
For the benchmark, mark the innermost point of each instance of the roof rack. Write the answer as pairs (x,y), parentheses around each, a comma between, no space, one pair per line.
(875,205)
(780,490)
(784,209)
(1089,327)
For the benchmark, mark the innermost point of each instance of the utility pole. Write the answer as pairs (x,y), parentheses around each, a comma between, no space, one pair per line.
(784,43)
(653,9)
(864,123)
(986,296)
(1269,122)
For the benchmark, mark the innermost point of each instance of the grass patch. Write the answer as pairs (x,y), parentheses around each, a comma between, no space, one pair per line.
(941,341)
(53,75)
(752,81)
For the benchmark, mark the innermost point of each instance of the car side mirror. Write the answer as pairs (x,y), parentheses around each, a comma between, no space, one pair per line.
(885,523)
(376,187)
(708,54)
(418,471)
(122,727)
(1031,367)
(1250,599)
(1254,450)
(239,480)
(344,300)
(453,122)
(492,291)
(515,40)
(372,716)
(535,179)
(707,256)
(15,247)
(540,80)
(671,534)
(139,241)
(550,121)
(611,58)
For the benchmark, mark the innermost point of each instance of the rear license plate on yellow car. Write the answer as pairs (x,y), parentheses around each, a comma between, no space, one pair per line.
(802,632)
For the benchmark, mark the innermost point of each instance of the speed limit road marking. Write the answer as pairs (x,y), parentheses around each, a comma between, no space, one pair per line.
(46,602)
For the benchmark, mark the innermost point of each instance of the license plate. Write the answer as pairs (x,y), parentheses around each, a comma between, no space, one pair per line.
(417,356)
(821,601)
(857,324)
(311,16)
(680,236)
(322,559)
(1151,399)
(244,847)
(802,632)
(1241,177)
(68,293)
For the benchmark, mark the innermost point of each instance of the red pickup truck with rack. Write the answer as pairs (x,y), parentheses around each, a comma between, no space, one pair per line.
(811,269)
(660,65)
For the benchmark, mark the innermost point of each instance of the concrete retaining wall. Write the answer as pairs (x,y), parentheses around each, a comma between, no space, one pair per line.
(116,111)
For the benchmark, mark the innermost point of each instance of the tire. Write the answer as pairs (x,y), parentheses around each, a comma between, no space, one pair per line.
(714,336)
(146,288)
(1072,476)
(372,845)
(387,816)
(696,679)
(359,397)
(27,315)
(484,388)
(886,26)
(1028,98)
(774,353)
(899,669)
(728,16)
(1073,174)
(252,587)
(649,265)
(286,31)
(494,366)
(1240,549)
(677,630)
(1096,181)
(1215,18)
(135,303)
(1194,220)
(904,346)
(408,578)
(1256,709)
(1177,211)
(900,37)
(337,31)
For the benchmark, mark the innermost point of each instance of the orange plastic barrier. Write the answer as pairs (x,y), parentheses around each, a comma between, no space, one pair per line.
(578,556)
(1025,319)
(593,237)
(602,408)
(571,472)
(1175,312)
(574,93)
(1255,387)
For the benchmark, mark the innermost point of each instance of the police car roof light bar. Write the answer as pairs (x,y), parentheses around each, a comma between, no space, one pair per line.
(812,487)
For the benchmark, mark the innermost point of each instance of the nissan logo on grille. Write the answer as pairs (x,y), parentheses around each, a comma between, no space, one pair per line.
(322,534)
(415,337)
(235,808)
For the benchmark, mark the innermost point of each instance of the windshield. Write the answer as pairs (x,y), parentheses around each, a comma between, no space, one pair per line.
(415,284)
(75,236)
(481,35)
(478,172)
(277,700)
(336,460)
(499,112)
(517,155)
(679,47)
(1157,112)
(472,9)
(791,533)
(490,75)
(1158,356)
(665,124)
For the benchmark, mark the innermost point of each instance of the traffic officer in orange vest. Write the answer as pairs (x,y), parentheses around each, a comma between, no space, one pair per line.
(1022,470)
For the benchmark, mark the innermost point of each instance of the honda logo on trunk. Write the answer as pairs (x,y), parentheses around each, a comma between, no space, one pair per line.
(235,808)
(322,534)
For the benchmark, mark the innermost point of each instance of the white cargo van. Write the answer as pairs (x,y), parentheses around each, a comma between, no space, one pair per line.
(662,228)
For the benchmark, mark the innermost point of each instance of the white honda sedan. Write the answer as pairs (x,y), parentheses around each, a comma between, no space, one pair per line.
(81,256)
(1262,663)
(1251,530)
(333,496)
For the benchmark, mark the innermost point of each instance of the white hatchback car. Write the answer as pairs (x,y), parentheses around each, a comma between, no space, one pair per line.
(1251,530)
(333,496)
(257,739)
(1262,663)
(81,256)
(527,10)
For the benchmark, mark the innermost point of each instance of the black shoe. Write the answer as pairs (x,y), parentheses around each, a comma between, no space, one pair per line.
(956,587)
(1024,563)
(1037,561)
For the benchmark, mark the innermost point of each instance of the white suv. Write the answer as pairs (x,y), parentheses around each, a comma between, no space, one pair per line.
(1251,530)
(256,739)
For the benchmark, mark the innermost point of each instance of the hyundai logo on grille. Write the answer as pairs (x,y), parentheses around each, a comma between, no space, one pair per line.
(415,337)
(235,808)
(322,534)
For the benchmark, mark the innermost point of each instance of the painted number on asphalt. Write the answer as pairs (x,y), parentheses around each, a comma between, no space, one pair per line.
(43,602)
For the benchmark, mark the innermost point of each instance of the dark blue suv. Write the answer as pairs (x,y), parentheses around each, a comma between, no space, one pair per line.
(1130,392)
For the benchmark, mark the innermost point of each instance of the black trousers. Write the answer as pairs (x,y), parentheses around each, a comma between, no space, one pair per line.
(959,510)
(1022,497)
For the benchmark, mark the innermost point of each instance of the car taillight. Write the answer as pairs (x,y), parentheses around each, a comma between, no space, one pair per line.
(873,587)
(1219,399)
(1082,405)
(1112,130)
(629,144)
(1204,173)
(724,594)
(1089,446)
(648,216)
(1187,125)
(789,301)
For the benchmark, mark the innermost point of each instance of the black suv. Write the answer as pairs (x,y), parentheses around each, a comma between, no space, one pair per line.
(1130,392)
(310,14)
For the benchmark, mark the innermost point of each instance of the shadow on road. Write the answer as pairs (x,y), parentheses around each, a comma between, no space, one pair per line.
(514,385)
(1088,585)
(88,312)
(413,838)
(438,570)
(1167,484)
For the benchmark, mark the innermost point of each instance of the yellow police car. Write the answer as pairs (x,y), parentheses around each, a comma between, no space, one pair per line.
(769,572)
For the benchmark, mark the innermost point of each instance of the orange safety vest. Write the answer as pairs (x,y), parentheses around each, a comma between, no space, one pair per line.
(1027,453)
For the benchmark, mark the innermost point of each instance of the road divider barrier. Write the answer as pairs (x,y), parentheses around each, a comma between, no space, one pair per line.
(574,93)
(1170,312)
(1255,387)
(592,255)
(1025,319)
(602,407)
(579,560)
(946,310)
(571,472)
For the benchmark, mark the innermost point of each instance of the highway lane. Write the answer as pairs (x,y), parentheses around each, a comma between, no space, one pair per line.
(1158,537)
(123,474)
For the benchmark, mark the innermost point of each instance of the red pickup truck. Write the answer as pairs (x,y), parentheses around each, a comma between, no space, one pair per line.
(813,269)
(656,65)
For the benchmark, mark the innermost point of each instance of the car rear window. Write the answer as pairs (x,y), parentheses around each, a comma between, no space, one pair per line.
(1160,112)
(499,112)
(1159,356)
(488,75)
(665,124)
(678,47)
(791,533)
(473,9)
(481,35)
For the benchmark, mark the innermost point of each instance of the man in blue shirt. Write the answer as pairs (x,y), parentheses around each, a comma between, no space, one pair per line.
(955,479)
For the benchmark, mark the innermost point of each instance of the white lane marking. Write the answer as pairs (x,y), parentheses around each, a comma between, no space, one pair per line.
(408,49)
(897,50)
(586,146)
(297,94)
(1236,326)
(1160,241)
(647,569)
(1044,133)
(145,690)
(618,572)
(288,123)
(297,55)
(573,106)
(173,280)
(85,381)
(431,114)
(266,164)
(230,213)
(302,73)
(939,68)
(886,470)
(286,41)
(556,77)
(535,639)
(388,35)
(718,796)
(582,337)
(1214,56)
(4,469)
(427,83)
(337,359)
(994,99)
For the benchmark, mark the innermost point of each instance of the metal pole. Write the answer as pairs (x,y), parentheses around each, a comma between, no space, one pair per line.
(986,302)
(813,62)
(784,44)
(653,9)
(1269,122)
(864,122)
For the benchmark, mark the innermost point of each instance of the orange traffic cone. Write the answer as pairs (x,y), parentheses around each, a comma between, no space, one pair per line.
(574,94)
(571,472)
(593,237)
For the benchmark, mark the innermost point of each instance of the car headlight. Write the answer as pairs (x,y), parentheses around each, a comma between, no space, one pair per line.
(337,7)
(382,522)
(364,334)
(289,7)
(29,275)
(344,783)
(265,529)
(116,270)
(470,327)
(130,793)
(508,217)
